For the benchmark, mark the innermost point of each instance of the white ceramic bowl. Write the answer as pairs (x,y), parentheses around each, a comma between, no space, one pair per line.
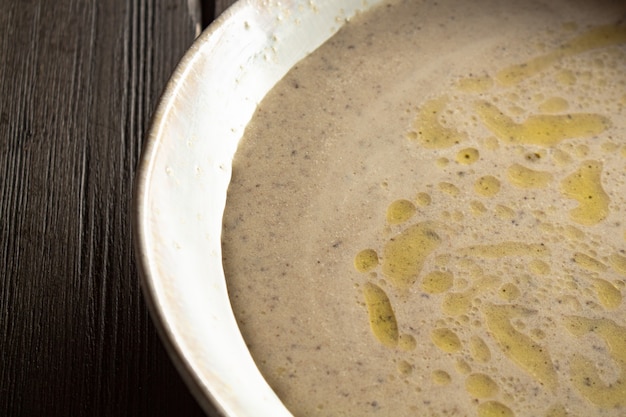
(183,177)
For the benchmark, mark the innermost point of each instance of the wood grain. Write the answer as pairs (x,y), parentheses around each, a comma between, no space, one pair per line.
(221,5)
(78,83)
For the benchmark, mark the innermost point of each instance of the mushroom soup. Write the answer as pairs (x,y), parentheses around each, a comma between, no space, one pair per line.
(427,215)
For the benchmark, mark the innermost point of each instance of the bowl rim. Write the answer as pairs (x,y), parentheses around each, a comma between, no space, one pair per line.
(205,398)
(220,401)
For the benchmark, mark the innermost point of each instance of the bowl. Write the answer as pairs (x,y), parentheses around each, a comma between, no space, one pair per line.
(514,89)
(183,177)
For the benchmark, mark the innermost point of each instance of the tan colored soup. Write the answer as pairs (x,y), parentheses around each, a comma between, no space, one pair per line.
(426,215)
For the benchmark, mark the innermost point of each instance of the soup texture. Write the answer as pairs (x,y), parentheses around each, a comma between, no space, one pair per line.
(427,215)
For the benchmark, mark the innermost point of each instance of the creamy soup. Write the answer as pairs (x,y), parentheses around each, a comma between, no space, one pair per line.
(427,215)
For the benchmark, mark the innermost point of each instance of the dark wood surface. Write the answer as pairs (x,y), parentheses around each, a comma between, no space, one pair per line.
(79,81)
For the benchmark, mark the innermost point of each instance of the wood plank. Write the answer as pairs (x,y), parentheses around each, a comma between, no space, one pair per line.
(221,5)
(78,83)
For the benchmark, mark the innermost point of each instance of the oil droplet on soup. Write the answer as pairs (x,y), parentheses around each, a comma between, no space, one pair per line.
(405,368)
(441,377)
(430,131)
(404,254)
(446,340)
(509,292)
(523,177)
(494,409)
(400,211)
(457,303)
(423,199)
(487,186)
(598,37)
(585,186)
(541,130)
(437,282)
(504,212)
(407,342)
(554,105)
(608,295)
(479,350)
(467,156)
(366,260)
(481,386)
(583,372)
(478,84)
(381,316)
(449,189)
(588,262)
(618,262)
(530,356)
(462,367)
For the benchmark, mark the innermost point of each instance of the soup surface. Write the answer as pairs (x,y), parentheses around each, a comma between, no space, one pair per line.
(427,215)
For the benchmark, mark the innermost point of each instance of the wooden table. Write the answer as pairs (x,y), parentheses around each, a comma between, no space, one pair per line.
(79,81)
